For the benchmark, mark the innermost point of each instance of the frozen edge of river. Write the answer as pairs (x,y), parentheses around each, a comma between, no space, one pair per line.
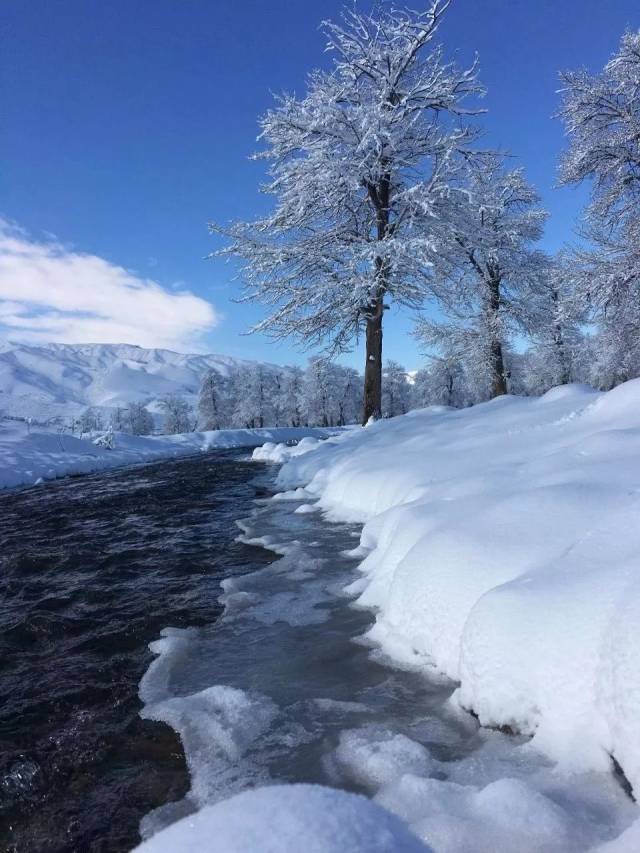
(501,795)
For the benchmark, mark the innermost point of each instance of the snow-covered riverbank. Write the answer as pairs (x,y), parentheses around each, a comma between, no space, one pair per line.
(500,548)
(28,458)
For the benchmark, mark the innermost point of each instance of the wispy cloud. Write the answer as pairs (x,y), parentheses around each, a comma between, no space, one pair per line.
(49,292)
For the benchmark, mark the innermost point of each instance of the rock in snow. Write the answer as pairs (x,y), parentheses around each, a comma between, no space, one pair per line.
(288,819)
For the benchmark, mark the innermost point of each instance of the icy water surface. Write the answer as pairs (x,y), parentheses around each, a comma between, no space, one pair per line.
(282,688)
(264,694)
(91,569)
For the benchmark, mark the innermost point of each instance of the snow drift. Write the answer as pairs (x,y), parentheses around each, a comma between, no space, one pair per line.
(501,547)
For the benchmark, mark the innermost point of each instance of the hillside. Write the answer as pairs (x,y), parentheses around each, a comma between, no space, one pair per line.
(61,380)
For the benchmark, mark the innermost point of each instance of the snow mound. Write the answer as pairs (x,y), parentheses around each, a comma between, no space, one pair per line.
(288,819)
(501,548)
(572,391)
(505,815)
(279,453)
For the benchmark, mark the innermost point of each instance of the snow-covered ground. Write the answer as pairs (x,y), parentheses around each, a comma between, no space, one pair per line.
(61,380)
(28,458)
(501,548)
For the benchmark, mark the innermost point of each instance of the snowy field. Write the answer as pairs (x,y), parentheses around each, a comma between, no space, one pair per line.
(29,458)
(499,549)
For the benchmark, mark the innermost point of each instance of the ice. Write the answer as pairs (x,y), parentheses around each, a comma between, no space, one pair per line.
(288,819)
(217,727)
(371,756)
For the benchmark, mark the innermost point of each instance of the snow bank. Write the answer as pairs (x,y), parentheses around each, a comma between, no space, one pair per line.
(29,458)
(502,547)
(288,819)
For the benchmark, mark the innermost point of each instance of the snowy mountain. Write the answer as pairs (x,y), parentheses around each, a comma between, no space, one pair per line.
(61,380)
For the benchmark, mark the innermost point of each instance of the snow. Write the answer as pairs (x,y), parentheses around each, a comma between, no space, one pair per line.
(288,819)
(61,380)
(218,725)
(371,758)
(500,548)
(29,458)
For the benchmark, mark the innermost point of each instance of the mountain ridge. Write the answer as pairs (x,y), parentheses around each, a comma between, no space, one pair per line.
(50,381)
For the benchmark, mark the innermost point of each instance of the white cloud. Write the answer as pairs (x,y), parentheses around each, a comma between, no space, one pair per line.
(51,293)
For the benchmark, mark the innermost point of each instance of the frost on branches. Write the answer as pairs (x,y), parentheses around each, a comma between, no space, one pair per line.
(602,119)
(485,267)
(359,167)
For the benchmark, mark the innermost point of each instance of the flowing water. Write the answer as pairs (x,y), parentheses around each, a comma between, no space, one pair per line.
(91,569)
(256,663)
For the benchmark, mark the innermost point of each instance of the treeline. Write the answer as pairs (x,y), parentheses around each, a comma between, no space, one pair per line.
(328,394)
(256,395)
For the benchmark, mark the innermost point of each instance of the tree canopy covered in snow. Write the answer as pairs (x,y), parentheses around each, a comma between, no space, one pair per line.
(485,266)
(602,118)
(359,167)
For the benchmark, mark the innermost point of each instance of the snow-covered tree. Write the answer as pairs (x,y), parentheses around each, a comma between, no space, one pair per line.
(601,113)
(347,395)
(552,314)
(89,420)
(116,421)
(318,392)
(484,265)
(254,389)
(358,166)
(213,401)
(443,382)
(177,414)
(138,420)
(290,397)
(396,390)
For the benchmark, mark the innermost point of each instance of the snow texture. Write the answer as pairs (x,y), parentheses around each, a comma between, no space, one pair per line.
(58,380)
(29,458)
(501,547)
(288,819)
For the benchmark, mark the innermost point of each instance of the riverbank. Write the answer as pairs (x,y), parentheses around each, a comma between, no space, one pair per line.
(28,458)
(499,549)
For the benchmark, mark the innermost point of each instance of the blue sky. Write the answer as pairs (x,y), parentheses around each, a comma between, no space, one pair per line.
(127,126)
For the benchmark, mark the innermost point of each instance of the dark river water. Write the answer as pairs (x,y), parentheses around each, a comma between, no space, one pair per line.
(91,569)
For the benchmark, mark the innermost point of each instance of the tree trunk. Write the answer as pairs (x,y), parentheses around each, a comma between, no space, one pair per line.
(372,402)
(558,340)
(373,366)
(498,374)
